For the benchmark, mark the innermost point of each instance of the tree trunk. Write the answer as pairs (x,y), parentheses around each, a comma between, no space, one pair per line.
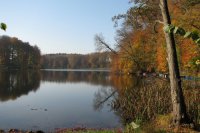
(178,103)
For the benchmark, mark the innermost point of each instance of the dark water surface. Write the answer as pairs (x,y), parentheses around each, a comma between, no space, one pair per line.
(51,99)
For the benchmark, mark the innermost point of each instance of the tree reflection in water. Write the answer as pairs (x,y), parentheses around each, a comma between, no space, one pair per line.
(103,96)
(14,84)
(144,98)
(90,77)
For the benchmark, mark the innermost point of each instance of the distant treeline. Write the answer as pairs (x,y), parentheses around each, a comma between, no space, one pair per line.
(75,61)
(15,53)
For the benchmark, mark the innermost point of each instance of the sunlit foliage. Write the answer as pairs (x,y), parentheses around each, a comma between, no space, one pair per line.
(140,39)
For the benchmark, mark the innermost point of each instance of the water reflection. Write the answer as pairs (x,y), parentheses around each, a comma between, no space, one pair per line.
(144,98)
(104,97)
(14,84)
(91,77)
(61,99)
(93,99)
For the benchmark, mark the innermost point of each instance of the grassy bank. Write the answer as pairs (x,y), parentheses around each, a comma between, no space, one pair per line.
(87,130)
(67,130)
(162,124)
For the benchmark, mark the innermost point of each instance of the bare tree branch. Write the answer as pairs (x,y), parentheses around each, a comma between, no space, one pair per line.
(101,44)
(97,105)
(156,23)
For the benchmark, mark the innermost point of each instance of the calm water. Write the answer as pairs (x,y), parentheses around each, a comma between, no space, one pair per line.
(51,99)
(54,99)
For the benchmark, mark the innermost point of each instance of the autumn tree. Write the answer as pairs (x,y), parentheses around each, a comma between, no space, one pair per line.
(146,47)
(135,43)
(187,16)
(179,108)
(178,103)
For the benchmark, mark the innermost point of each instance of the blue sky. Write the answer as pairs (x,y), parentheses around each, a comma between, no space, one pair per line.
(61,26)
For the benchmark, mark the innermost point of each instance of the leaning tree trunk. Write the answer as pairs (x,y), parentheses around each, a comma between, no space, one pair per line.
(178,103)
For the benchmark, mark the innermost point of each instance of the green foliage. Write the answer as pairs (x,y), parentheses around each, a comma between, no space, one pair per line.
(3,26)
(169,28)
(187,34)
(194,35)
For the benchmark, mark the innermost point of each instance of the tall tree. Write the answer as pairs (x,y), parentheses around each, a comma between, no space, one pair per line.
(178,103)
(138,19)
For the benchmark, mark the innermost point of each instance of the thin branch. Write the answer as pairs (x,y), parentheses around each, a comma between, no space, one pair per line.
(195,26)
(156,23)
(100,41)
(106,99)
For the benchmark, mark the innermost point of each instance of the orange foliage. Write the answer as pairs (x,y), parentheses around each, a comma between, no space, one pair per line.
(148,49)
(161,59)
(161,55)
(188,52)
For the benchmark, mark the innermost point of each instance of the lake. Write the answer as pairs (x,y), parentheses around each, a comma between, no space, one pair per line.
(48,100)
(51,99)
